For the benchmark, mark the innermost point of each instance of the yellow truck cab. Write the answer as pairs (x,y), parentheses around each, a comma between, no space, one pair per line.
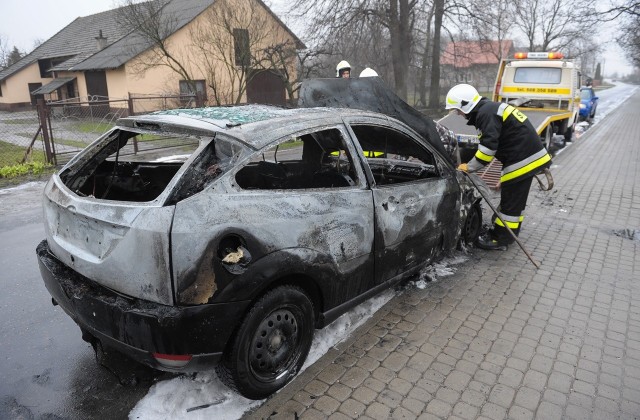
(543,85)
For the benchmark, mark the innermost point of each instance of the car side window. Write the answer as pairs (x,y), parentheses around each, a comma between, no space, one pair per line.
(318,159)
(393,156)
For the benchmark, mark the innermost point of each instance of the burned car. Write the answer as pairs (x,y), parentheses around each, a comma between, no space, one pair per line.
(257,226)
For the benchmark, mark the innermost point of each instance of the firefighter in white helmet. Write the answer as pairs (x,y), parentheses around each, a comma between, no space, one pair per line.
(343,69)
(368,72)
(505,134)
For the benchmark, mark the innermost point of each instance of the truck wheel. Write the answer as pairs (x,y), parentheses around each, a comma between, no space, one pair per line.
(548,135)
(568,135)
(270,345)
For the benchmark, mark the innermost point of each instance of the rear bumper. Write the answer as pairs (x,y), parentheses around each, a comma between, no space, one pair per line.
(139,328)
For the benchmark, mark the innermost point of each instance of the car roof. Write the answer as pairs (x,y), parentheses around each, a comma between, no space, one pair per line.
(255,125)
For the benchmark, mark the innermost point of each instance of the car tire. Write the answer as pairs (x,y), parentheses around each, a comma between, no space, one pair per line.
(472,225)
(271,344)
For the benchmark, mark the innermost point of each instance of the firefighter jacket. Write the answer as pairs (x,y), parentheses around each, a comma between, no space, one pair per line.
(507,135)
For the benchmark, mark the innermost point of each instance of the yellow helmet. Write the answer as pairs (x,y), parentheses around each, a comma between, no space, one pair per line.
(463,97)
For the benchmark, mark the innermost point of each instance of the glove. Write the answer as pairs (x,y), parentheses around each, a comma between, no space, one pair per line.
(463,167)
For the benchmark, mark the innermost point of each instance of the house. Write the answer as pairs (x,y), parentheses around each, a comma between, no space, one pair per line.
(473,62)
(218,49)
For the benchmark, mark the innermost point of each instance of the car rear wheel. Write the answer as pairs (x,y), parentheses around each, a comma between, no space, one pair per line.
(270,345)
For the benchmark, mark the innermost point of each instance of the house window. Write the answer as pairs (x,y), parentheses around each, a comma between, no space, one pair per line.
(0,89)
(241,47)
(187,88)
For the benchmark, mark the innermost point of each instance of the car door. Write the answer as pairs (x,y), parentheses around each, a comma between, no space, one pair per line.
(415,197)
(300,207)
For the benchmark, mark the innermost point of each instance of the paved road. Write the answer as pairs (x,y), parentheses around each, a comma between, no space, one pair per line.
(46,370)
(500,339)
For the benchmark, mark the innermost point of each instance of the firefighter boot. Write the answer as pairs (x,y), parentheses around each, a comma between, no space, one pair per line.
(488,243)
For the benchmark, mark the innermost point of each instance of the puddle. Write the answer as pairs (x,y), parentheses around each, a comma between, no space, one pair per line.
(633,234)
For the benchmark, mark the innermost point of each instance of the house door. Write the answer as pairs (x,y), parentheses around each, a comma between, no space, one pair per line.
(265,87)
(96,83)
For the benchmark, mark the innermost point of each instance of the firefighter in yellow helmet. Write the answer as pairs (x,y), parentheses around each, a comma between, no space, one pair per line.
(507,135)
(343,69)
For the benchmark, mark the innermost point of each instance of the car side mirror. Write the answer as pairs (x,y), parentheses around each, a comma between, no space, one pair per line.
(595,98)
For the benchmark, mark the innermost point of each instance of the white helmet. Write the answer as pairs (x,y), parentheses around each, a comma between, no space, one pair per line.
(343,65)
(463,97)
(368,72)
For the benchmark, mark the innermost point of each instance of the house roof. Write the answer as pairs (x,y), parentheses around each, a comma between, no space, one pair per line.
(51,86)
(464,54)
(77,41)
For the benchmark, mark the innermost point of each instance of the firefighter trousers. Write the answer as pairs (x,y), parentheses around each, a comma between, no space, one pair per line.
(513,200)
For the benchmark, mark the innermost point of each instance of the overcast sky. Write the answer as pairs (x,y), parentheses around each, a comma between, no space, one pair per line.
(22,22)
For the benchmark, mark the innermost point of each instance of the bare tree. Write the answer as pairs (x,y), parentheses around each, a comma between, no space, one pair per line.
(434,92)
(627,12)
(279,59)
(549,24)
(329,18)
(630,39)
(237,40)
(427,51)
(4,52)
(619,8)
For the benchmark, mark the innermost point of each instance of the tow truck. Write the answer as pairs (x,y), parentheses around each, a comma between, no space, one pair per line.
(545,86)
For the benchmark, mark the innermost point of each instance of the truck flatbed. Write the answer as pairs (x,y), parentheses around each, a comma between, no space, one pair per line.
(539,118)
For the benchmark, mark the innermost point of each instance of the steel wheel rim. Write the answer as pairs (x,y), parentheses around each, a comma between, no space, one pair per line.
(275,347)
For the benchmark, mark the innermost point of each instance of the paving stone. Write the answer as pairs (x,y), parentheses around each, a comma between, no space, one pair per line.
(448,395)
(340,416)
(502,395)
(535,380)
(527,398)
(549,411)
(493,411)
(326,405)
(341,392)
(377,411)
(390,398)
(520,413)
(414,406)
(352,408)
(465,411)
(439,408)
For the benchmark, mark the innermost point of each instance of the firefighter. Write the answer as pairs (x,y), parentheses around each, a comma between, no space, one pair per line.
(343,69)
(507,135)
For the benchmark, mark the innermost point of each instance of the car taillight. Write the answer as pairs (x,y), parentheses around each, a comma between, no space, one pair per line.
(172,360)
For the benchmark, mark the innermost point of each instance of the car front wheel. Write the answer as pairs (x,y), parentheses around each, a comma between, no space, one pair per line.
(472,225)
(270,345)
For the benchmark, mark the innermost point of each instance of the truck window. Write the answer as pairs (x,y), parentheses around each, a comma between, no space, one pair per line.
(538,75)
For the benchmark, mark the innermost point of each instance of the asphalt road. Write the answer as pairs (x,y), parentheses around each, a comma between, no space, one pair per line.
(47,370)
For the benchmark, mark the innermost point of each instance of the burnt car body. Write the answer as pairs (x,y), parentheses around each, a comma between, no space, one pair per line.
(268,224)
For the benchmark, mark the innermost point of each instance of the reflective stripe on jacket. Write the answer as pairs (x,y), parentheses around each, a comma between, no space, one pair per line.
(507,134)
